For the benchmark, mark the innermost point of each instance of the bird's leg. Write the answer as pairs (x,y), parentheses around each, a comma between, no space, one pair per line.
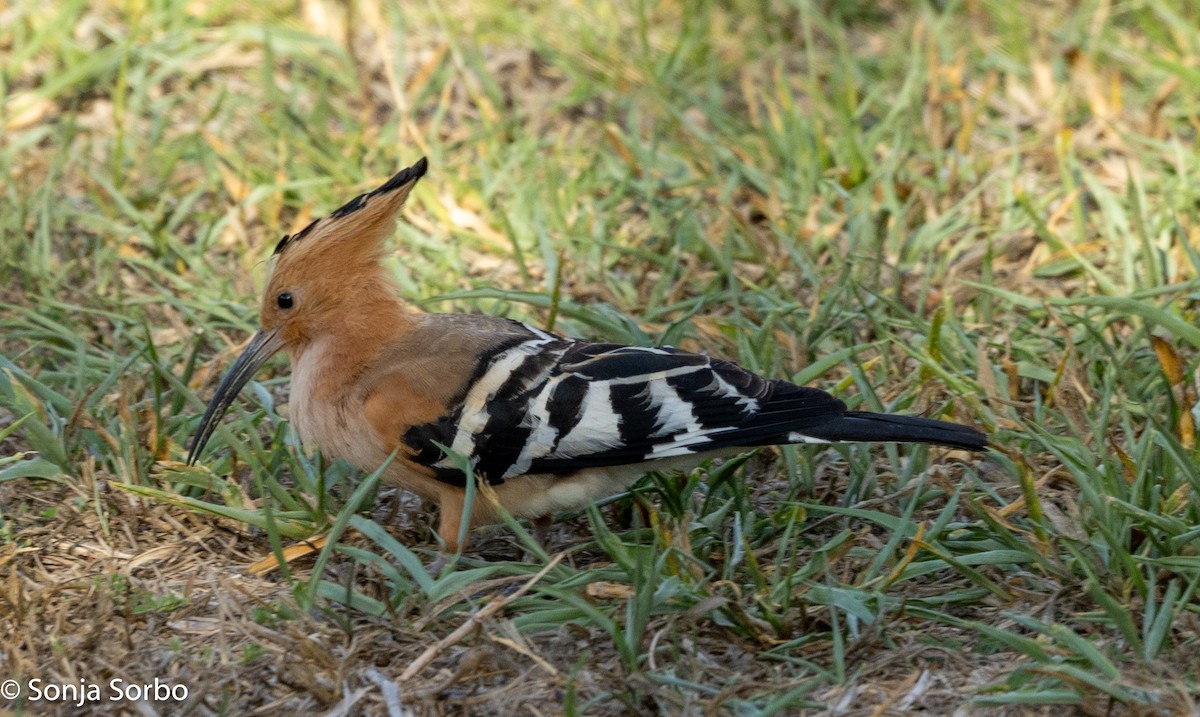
(541,528)
(448,529)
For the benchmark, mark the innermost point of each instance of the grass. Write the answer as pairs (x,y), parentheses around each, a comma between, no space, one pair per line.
(986,211)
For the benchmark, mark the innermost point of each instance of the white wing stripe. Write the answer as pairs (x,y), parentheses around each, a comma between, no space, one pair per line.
(598,428)
(748,404)
(541,438)
(675,415)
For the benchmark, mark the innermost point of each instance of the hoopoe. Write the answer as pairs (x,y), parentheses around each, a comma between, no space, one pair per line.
(551,423)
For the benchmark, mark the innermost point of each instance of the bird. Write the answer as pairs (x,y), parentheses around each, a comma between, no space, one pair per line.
(549,422)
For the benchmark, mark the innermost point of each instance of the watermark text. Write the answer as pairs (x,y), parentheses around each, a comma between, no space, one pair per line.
(84,692)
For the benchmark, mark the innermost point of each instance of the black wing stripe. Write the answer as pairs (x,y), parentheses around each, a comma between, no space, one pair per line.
(638,415)
(719,405)
(565,407)
(638,365)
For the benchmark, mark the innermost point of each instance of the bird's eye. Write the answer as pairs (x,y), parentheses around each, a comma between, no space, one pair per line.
(284,300)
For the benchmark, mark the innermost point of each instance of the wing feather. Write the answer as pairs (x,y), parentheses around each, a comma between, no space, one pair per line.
(552,405)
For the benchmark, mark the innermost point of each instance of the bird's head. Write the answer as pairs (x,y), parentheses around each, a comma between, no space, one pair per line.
(322,277)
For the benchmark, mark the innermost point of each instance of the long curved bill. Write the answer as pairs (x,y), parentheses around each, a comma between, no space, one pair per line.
(262,346)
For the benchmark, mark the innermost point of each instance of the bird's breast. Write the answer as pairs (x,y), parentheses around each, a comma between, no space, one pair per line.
(328,414)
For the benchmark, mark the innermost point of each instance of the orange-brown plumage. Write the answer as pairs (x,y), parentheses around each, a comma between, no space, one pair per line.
(551,423)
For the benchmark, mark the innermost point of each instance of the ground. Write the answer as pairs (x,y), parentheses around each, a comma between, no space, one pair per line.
(982,211)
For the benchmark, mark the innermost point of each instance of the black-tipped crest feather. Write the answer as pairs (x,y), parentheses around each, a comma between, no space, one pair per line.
(401,179)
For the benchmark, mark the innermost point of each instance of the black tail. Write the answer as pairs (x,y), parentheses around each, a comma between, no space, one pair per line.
(881,427)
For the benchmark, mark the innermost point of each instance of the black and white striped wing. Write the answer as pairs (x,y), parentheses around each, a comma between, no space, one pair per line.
(552,405)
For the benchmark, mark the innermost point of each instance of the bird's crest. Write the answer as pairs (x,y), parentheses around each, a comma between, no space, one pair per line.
(359,226)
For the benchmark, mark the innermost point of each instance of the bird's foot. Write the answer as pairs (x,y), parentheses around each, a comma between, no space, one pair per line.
(441,560)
